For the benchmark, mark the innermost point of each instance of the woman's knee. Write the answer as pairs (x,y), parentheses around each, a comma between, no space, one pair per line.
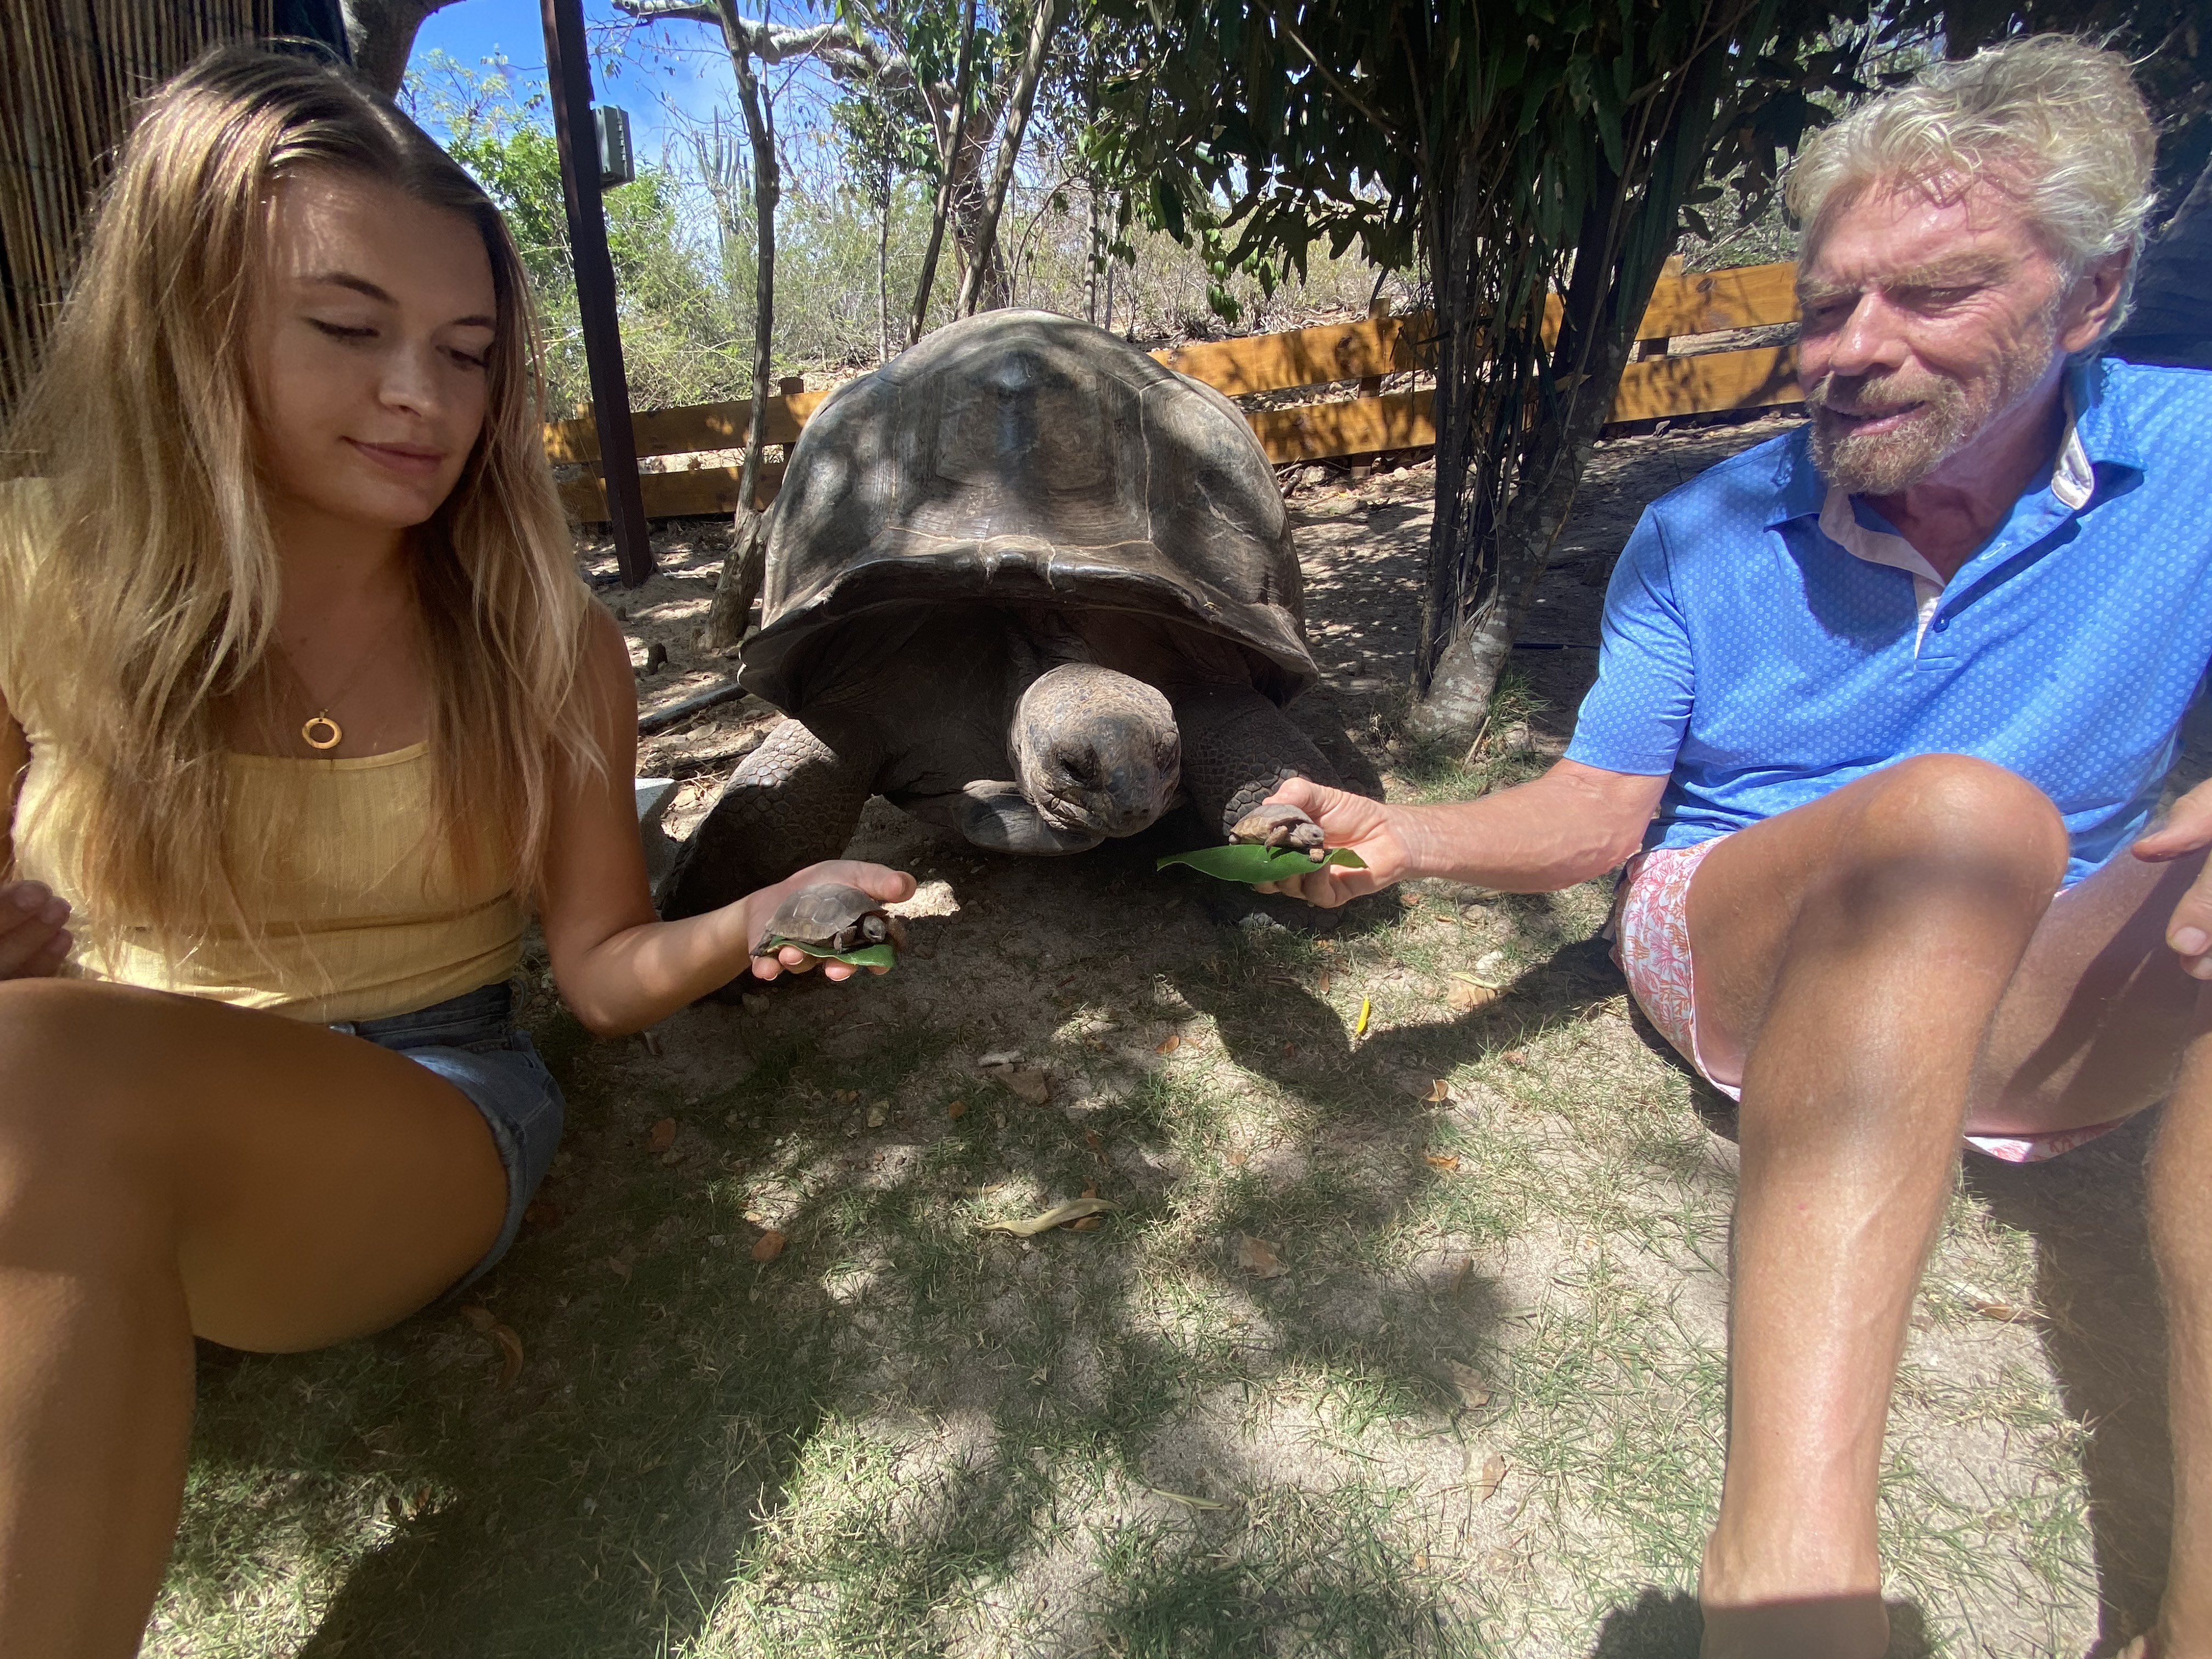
(69,1121)
(1961,816)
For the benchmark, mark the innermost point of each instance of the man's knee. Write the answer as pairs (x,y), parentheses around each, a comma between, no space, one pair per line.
(1958,819)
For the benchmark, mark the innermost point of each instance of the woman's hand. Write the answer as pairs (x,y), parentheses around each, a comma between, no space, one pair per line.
(1367,827)
(2187,829)
(876,880)
(34,934)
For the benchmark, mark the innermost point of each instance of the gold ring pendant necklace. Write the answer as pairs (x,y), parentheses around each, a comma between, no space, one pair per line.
(318,731)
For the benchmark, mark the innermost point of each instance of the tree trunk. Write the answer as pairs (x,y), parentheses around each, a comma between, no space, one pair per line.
(380,34)
(742,570)
(1484,563)
(1091,269)
(883,277)
(984,256)
(946,185)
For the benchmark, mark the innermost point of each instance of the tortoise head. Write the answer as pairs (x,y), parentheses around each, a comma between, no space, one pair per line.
(1096,750)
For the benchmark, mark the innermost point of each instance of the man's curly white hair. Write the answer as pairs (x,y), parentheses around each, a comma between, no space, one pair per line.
(2055,121)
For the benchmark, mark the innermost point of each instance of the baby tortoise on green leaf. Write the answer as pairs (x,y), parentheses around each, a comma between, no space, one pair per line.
(1279,825)
(828,919)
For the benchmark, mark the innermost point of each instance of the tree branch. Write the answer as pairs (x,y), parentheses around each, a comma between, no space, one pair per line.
(1010,146)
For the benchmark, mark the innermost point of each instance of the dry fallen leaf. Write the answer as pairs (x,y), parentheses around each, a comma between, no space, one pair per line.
(1257,1257)
(2007,1313)
(1439,1092)
(877,1115)
(1059,1216)
(958,1109)
(619,1266)
(1086,1223)
(542,1213)
(480,1318)
(510,1344)
(661,1136)
(1465,999)
(1459,1278)
(1036,1087)
(1186,1499)
(845,1096)
(1467,1382)
(1235,1159)
(1322,985)
(1493,1477)
(1168,1044)
(767,1246)
(1445,1161)
(1516,1057)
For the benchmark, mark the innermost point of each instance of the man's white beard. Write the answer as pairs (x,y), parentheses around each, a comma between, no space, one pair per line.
(1950,416)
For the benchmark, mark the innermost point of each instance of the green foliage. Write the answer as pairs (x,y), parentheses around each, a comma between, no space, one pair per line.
(678,341)
(1520,148)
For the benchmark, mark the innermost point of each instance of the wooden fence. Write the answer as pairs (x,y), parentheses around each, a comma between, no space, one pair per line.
(1660,383)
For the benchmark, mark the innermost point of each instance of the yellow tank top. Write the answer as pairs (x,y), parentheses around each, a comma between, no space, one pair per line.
(358,913)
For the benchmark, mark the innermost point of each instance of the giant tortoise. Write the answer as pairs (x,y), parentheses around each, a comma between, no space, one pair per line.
(1029,585)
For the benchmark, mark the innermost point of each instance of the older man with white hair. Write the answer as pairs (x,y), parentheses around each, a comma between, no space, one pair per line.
(1884,710)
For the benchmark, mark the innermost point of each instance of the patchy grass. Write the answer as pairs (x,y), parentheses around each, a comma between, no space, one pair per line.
(1477,1413)
(905,1436)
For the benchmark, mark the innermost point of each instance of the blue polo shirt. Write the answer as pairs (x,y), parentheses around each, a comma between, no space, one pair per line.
(1764,643)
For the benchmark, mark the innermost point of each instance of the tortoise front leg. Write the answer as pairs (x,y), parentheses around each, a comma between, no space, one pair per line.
(996,815)
(794,801)
(1238,749)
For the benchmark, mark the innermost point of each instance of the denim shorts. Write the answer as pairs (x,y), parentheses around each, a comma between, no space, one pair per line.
(471,1041)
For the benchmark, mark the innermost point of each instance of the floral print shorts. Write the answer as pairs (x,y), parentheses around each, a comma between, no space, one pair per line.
(1652,945)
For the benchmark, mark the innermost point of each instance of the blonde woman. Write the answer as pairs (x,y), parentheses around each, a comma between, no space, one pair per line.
(305,707)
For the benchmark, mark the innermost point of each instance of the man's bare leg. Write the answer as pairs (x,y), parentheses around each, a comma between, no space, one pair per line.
(1855,949)
(2181,1237)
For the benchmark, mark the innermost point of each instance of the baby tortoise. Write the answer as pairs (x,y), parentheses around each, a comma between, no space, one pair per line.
(1280,824)
(830,918)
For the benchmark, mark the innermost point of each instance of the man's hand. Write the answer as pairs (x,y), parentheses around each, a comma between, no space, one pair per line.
(35,935)
(1367,827)
(876,880)
(2187,829)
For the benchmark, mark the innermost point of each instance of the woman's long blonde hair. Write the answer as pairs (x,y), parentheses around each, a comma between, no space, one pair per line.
(146,579)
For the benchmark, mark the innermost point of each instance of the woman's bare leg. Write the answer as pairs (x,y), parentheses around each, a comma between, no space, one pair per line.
(170,1166)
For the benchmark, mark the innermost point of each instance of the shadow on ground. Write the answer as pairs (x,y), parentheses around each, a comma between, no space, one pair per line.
(679,1402)
(1661,1626)
(2105,1332)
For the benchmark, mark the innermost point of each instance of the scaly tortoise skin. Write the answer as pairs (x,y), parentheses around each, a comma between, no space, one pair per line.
(1029,585)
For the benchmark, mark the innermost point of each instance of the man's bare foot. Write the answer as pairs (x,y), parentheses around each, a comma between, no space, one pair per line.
(1825,1627)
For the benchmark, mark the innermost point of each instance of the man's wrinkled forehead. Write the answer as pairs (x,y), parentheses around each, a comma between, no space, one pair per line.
(1964,270)
(1914,236)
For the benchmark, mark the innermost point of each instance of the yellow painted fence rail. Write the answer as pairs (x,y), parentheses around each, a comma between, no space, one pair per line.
(1656,387)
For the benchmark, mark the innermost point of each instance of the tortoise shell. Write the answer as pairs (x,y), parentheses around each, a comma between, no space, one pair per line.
(1023,457)
(831,916)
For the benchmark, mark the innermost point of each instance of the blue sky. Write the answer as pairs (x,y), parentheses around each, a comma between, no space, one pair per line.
(677,63)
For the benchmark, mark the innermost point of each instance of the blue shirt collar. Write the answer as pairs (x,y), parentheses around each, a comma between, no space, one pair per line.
(2097,442)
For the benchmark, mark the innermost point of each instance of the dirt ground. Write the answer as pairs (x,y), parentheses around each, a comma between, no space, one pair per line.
(1405,1336)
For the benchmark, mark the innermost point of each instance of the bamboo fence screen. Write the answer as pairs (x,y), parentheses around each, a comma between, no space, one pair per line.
(71,72)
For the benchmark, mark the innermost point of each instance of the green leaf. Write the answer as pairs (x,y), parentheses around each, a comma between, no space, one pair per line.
(1244,862)
(868,956)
